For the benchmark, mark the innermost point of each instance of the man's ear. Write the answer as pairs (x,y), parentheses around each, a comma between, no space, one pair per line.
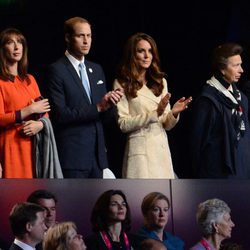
(29,227)
(67,38)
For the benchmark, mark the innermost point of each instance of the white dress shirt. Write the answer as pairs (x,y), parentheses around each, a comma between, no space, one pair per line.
(23,245)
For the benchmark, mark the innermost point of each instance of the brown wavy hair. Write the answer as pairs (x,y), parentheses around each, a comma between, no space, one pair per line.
(128,72)
(5,36)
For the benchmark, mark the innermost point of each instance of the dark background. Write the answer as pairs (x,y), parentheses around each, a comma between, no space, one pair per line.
(186,33)
(76,199)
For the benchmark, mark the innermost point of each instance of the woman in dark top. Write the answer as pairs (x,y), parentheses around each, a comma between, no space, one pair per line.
(110,220)
(220,135)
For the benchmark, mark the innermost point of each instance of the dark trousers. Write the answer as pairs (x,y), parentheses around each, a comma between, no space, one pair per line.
(94,172)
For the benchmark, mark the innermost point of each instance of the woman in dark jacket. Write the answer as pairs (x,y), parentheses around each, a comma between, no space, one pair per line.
(110,220)
(220,135)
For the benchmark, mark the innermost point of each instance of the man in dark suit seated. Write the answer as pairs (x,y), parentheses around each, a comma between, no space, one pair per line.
(76,88)
(27,224)
(48,201)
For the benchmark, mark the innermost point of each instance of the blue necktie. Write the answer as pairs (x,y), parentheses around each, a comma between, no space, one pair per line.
(84,78)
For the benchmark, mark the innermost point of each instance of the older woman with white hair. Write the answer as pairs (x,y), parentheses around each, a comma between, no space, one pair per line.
(213,217)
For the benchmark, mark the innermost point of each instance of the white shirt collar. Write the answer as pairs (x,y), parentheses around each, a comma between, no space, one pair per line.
(23,245)
(230,88)
(74,61)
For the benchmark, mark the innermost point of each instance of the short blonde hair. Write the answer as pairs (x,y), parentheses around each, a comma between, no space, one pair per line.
(56,236)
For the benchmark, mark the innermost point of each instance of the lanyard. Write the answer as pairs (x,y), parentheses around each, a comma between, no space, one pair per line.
(205,244)
(108,243)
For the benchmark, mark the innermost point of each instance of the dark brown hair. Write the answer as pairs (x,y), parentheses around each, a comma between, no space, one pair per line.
(222,53)
(128,70)
(99,215)
(21,214)
(35,196)
(5,36)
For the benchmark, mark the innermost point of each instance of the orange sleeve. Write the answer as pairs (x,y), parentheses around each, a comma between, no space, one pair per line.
(6,118)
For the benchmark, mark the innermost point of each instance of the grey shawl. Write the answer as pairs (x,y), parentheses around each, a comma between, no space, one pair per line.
(46,156)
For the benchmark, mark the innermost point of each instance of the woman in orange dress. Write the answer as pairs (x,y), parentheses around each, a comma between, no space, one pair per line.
(19,109)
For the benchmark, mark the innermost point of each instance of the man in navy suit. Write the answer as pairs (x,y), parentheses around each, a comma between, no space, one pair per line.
(27,224)
(76,114)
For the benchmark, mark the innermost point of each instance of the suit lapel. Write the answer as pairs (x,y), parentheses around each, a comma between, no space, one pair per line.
(76,78)
(15,247)
(92,80)
(146,92)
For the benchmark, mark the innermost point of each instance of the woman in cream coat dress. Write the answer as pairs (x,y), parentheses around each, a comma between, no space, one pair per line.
(144,112)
